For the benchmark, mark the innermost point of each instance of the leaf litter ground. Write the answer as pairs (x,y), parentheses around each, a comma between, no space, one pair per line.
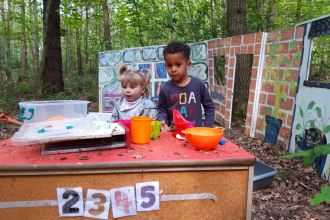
(289,195)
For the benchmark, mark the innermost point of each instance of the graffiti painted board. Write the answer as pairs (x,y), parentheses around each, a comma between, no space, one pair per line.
(144,58)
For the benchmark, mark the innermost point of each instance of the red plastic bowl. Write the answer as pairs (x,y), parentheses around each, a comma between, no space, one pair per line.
(184,126)
(204,138)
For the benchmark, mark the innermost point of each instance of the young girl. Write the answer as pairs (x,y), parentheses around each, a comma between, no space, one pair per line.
(134,86)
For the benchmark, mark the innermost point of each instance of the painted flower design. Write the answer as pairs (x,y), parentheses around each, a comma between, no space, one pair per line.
(223,91)
(212,88)
(218,90)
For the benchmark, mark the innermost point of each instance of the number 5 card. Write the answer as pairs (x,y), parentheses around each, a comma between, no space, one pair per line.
(147,196)
(123,202)
(70,202)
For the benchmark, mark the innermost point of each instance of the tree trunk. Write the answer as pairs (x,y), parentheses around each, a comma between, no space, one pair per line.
(258,7)
(86,42)
(80,72)
(298,11)
(8,54)
(106,22)
(173,14)
(236,17)
(139,24)
(23,43)
(2,52)
(52,75)
(36,38)
(43,63)
(66,51)
(271,15)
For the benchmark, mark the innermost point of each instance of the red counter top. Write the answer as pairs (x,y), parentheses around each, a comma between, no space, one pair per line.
(165,151)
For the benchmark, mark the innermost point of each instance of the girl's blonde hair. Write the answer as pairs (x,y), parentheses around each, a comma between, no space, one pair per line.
(135,77)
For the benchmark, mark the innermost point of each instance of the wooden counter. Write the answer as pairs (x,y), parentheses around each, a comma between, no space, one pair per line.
(227,172)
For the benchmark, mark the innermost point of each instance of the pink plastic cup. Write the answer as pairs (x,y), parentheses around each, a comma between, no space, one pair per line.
(126,122)
(184,126)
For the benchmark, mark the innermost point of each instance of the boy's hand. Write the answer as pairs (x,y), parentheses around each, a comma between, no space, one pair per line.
(164,127)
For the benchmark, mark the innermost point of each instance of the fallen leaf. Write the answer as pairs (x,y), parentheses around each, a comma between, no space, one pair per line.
(138,156)
(120,155)
(185,156)
(143,147)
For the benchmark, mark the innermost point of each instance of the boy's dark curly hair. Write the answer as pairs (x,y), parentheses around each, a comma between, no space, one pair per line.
(177,47)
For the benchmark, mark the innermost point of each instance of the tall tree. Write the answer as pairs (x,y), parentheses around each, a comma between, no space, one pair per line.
(80,72)
(36,37)
(236,17)
(8,39)
(135,2)
(106,22)
(23,41)
(52,75)
(271,15)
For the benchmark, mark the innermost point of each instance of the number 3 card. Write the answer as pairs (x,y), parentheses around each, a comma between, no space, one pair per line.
(97,204)
(147,196)
(70,202)
(123,202)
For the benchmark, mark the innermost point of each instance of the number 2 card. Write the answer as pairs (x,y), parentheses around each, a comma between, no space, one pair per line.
(70,202)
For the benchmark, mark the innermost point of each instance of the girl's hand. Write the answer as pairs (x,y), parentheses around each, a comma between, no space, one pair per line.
(164,127)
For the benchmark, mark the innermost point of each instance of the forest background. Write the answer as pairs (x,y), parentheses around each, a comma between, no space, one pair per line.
(91,26)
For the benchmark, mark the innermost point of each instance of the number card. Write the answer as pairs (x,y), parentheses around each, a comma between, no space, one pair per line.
(123,202)
(70,202)
(147,196)
(97,204)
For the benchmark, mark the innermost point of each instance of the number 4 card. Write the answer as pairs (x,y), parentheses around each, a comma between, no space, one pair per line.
(70,202)
(123,202)
(97,204)
(147,196)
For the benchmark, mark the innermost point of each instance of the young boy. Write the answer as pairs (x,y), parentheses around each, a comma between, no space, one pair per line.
(184,93)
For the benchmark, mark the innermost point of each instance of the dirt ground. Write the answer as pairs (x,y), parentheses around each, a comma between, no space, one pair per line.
(290,193)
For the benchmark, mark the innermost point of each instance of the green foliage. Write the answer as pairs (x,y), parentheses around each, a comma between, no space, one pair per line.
(308,159)
(320,54)
(321,197)
(310,155)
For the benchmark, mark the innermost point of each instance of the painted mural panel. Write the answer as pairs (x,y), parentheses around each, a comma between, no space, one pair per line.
(110,58)
(199,52)
(160,71)
(199,70)
(149,54)
(128,56)
(157,86)
(311,126)
(143,58)
(218,92)
(278,77)
(160,53)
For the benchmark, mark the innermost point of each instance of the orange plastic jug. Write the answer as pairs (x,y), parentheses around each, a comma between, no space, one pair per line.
(141,129)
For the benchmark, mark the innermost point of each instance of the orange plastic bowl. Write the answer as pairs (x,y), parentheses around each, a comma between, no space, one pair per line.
(204,138)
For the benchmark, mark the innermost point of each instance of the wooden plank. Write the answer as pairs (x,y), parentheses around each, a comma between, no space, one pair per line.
(228,186)
(119,170)
(249,192)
